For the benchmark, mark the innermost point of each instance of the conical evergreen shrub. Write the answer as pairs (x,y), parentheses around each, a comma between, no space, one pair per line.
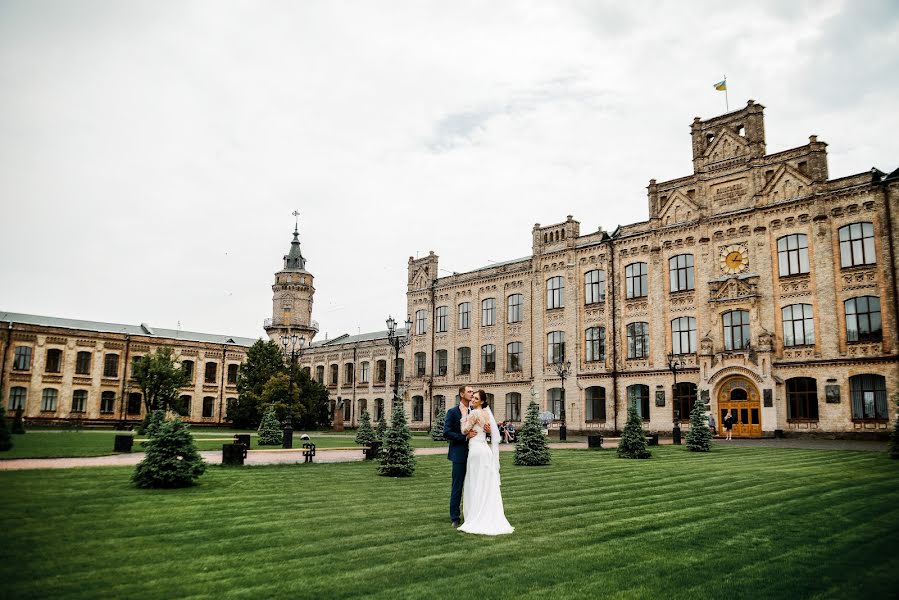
(894,437)
(5,435)
(437,427)
(531,449)
(18,424)
(171,459)
(365,435)
(397,456)
(699,438)
(381,431)
(270,432)
(633,439)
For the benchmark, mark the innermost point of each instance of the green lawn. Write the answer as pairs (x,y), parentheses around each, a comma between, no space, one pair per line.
(736,523)
(59,443)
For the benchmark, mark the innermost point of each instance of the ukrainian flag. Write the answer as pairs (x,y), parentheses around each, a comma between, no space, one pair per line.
(721,86)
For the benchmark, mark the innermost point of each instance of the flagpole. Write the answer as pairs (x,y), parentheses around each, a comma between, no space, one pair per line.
(726,103)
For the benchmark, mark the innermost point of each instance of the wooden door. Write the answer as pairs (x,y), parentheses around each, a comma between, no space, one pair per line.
(740,398)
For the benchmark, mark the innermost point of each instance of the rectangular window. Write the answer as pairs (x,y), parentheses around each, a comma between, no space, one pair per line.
(335,373)
(488,312)
(798,325)
(441,319)
(465,315)
(555,293)
(17,397)
(232,374)
(208,406)
(596,344)
(863,320)
(792,255)
(555,342)
(513,313)
(513,406)
(639,396)
(636,280)
(134,403)
(802,398)
(348,372)
(22,361)
(320,374)
(48,400)
(135,360)
(869,397)
(365,374)
(680,269)
(83,363)
(420,321)
(382,371)
(211,372)
(420,364)
(594,287)
(464,361)
(488,358)
(596,403)
(418,408)
(441,356)
(79,401)
(54,360)
(554,402)
(188,367)
(514,352)
(111,365)
(736,330)
(683,335)
(399,368)
(638,340)
(107,403)
(857,245)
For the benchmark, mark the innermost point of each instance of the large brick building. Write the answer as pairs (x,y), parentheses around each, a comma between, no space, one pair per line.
(770,285)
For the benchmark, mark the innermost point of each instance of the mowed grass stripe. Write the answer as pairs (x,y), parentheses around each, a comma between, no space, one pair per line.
(590,524)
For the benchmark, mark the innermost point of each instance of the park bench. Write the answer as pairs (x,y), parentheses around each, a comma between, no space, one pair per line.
(372,451)
(308,451)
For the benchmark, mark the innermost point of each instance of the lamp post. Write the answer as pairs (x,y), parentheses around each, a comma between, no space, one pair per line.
(563,369)
(398,343)
(675,364)
(292,346)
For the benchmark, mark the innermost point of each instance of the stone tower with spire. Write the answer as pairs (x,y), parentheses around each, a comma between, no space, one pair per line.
(292,297)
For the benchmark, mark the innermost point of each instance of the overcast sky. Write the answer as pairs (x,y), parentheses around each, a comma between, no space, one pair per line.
(151,153)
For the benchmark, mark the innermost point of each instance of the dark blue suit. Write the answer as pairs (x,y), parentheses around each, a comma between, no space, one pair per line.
(458,454)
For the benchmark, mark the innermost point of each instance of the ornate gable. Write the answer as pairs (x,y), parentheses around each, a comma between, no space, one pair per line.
(727,145)
(678,208)
(734,289)
(786,182)
(420,280)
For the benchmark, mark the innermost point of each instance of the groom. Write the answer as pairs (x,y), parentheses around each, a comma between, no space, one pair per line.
(458,449)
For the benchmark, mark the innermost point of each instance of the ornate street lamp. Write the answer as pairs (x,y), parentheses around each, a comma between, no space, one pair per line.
(398,343)
(563,369)
(292,346)
(675,363)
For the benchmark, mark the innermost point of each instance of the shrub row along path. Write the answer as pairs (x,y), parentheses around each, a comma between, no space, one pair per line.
(281,456)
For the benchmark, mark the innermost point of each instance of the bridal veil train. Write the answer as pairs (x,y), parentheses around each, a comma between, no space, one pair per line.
(482,502)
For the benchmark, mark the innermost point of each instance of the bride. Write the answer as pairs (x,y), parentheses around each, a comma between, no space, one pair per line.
(482,502)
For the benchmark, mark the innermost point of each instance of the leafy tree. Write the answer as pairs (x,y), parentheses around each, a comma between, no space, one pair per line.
(270,432)
(171,459)
(381,431)
(699,438)
(160,377)
(633,440)
(5,436)
(397,456)
(264,360)
(894,437)
(531,449)
(18,425)
(365,435)
(437,428)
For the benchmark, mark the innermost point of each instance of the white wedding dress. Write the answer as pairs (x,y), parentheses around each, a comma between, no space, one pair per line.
(482,502)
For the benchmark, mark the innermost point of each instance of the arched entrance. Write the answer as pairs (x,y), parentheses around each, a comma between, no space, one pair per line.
(739,397)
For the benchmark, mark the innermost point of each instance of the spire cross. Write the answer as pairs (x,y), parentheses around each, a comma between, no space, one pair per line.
(296,215)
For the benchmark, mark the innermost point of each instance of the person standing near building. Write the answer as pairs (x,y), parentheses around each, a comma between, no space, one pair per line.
(728,425)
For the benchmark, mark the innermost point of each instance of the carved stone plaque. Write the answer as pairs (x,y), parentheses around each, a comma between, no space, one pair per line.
(704,394)
(832,394)
(769,398)
(660,397)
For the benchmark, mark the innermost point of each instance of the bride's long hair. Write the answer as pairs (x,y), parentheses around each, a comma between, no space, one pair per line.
(482,396)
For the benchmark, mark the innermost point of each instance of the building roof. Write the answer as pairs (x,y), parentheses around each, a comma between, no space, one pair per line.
(142,330)
(354,339)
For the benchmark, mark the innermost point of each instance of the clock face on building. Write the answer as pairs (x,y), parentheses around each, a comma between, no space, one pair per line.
(734,259)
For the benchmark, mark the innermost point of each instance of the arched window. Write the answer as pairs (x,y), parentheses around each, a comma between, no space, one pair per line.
(736,329)
(83,363)
(513,311)
(111,365)
(488,358)
(637,340)
(22,360)
(211,371)
(636,280)
(379,409)
(683,335)
(464,360)
(364,371)
(363,407)
(349,370)
(439,403)
(596,403)
(680,269)
(399,368)
(135,401)
(420,360)
(440,318)
(488,312)
(381,373)
(186,365)
(232,373)
(17,397)
(335,374)
(802,398)
(513,406)
(420,320)
(555,347)
(513,356)
(638,395)
(441,360)
(595,338)
(208,407)
(869,397)
(464,317)
(54,360)
(684,400)
(418,408)
(799,326)
(863,323)
(320,374)
(554,402)
(594,286)
(48,399)
(857,245)
(184,405)
(107,402)
(79,401)
(555,293)
(792,254)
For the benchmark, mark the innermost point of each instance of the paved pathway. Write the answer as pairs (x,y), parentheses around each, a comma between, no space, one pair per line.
(323,455)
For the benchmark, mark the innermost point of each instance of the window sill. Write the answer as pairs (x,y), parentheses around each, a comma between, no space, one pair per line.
(679,293)
(595,421)
(800,420)
(858,267)
(595,304)
(862,342)
(558,309)
(794,276)
(870,420)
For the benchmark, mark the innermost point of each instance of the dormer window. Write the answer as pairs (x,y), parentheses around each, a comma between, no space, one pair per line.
(741,131)
(709,138)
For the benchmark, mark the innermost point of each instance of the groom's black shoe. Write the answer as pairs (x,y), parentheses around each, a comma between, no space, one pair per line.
(456,524)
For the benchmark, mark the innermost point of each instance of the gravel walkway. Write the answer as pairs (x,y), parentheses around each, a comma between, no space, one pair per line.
(275,457)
